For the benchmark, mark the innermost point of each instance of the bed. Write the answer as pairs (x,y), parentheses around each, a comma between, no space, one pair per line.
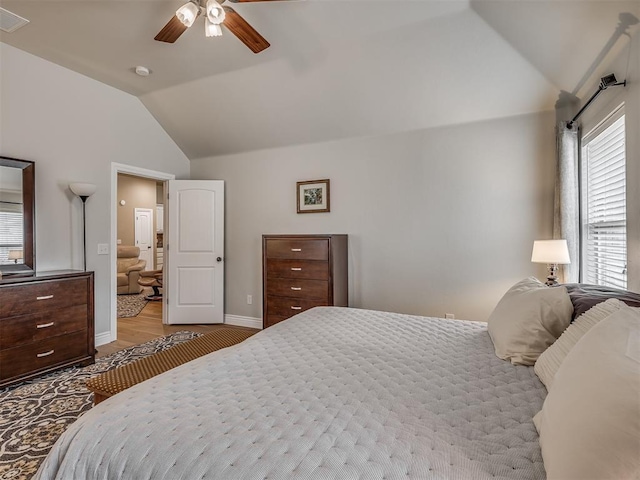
(333,393)
(341,393)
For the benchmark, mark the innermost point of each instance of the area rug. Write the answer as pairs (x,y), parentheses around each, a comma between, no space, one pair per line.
(34,414)
(130,306)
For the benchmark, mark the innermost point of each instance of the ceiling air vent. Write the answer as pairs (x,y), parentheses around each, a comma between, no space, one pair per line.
(10,22)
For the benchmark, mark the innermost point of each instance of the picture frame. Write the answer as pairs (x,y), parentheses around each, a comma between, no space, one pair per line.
(313,196)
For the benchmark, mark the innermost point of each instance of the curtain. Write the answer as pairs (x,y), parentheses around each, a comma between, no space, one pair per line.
(566,218)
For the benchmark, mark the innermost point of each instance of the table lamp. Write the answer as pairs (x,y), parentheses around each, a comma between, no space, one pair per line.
(553,253)
(15,255)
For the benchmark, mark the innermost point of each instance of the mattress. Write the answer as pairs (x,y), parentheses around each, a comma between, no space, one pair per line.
(333,393)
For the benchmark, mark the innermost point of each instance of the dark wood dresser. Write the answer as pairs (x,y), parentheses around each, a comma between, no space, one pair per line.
(301,272)
(46,322)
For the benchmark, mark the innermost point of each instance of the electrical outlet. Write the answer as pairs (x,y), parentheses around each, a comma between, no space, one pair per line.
(450,316)
(249,299)
(103,249)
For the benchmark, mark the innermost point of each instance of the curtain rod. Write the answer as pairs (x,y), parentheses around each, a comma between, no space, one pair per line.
(605,82)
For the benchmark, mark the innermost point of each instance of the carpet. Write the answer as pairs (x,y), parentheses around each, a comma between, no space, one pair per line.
(131,305)
(35,413)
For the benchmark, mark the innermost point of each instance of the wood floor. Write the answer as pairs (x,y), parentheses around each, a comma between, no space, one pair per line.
(147,326)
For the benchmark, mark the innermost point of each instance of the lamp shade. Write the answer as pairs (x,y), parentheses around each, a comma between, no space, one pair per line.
(550,251)
(215,12)
(15,255)
(211,29)
(187,13)
(83,189)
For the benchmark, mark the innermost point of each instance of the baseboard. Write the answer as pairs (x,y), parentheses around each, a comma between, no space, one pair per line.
(239,321)
(103,338)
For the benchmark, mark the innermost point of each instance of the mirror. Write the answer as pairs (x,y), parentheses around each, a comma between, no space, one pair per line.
(17,216)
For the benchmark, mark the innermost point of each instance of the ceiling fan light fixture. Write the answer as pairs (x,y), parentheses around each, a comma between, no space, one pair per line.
(215,12)
(187,13)
(211,29)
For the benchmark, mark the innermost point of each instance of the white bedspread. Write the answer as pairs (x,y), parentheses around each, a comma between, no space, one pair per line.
(334,393)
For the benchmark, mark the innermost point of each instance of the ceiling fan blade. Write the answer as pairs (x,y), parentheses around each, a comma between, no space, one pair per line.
(245,32)
(171,31)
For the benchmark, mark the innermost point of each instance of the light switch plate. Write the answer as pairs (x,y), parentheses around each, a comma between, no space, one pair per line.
(103,249)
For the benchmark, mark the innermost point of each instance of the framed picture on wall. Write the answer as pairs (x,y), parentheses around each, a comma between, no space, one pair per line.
(313,196)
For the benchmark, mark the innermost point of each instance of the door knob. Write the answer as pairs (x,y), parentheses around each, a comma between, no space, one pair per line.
(219,259)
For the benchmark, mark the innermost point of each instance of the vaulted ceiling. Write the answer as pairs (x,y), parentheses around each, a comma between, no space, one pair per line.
(336,68)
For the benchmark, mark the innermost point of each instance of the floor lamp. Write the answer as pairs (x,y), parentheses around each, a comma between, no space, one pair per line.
(84,191)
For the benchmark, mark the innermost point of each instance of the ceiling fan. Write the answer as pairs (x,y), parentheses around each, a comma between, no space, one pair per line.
(214,15)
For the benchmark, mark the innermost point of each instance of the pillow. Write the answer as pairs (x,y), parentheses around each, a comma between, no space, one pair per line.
(590,422)
(547,365)
(528,318)
(585,296)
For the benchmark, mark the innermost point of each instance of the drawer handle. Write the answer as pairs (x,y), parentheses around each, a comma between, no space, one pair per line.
(296,269)
(296,308)
(296,249)
(296,288)
(45,354)
(45,325)
(45,297)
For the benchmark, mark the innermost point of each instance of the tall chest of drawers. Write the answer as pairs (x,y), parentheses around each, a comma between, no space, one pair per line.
(46,322)
(301,272)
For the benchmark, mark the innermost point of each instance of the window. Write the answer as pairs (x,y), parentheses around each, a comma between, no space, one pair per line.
(604,217)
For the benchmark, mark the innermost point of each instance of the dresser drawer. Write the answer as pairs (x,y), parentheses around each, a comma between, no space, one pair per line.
(288,287)
(287,307)
(308,269)
(43,354)
(292,248)
(15,331)
(42,296)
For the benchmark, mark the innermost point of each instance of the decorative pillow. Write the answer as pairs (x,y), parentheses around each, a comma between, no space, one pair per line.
(584,296)
(529,318)
(590,422)
(549,362)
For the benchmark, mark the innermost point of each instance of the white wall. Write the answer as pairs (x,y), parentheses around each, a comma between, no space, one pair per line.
(625,66)
(73,127)
(439,220)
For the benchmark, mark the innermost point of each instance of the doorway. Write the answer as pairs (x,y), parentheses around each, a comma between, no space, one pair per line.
(116,203)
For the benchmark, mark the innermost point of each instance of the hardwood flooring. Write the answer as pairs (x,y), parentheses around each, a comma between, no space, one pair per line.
(147,326)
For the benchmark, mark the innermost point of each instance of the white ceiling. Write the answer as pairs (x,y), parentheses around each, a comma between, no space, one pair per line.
(336,68)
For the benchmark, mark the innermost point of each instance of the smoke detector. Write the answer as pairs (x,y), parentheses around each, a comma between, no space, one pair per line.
(10,22)
(142,71)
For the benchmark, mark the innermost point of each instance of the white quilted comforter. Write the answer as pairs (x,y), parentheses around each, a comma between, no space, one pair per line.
(334,393)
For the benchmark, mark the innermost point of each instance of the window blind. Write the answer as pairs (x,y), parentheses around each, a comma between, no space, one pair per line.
(10,233)
(604,205)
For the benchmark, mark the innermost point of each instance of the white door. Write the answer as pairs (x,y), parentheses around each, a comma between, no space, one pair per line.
(194,252)
(159,218)
(144,235)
